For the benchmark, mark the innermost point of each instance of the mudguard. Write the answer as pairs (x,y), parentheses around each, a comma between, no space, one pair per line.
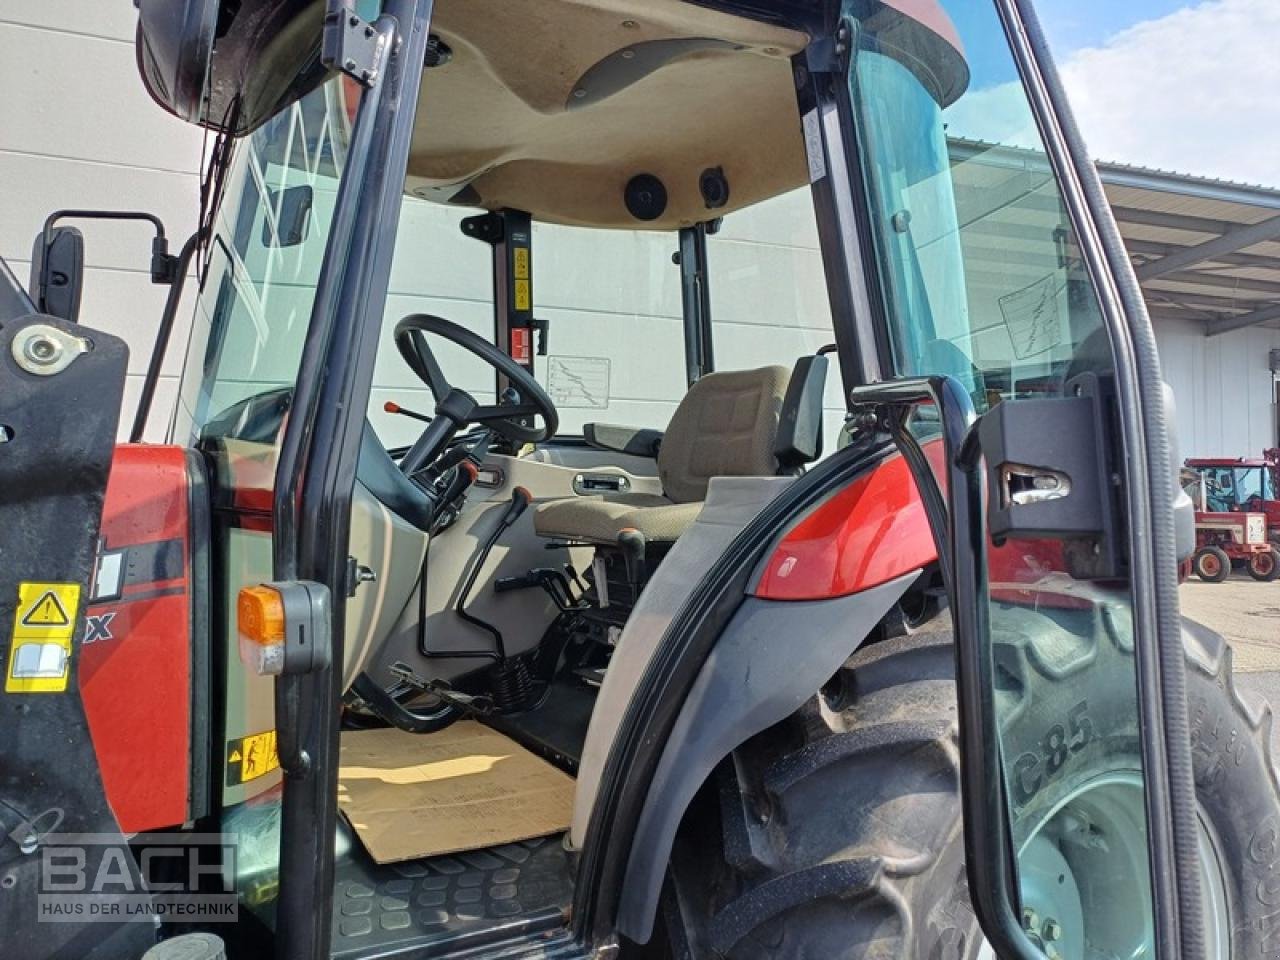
(144,670)
(819,593)
(761,671)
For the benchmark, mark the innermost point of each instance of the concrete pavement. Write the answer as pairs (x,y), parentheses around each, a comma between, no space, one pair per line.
(1247,613)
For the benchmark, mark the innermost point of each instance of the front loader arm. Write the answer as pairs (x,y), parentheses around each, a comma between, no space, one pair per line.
(61,387)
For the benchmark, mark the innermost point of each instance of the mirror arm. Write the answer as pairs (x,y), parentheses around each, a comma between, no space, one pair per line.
(958,534)
(161,346)
(164,266)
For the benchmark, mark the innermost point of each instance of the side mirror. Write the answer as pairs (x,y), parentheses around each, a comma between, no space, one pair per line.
(57,272)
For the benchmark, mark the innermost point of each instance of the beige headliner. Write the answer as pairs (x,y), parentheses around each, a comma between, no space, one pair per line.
(494,116)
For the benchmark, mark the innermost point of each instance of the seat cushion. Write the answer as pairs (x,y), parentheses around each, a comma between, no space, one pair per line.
(724,427)
(601,519)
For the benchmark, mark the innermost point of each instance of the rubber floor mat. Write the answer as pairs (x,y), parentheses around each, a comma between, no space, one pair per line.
(435,906)
(467,787)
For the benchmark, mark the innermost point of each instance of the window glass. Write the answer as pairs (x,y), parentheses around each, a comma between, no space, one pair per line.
(982,280)
(769,294)
(264,262)
(615,347)
(981,272)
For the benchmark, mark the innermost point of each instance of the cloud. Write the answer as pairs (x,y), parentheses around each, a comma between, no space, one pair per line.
(1197,91)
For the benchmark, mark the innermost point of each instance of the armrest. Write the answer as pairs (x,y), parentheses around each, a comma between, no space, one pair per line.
(636,441)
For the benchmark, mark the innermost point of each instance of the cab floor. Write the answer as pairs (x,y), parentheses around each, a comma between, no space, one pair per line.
(438,905)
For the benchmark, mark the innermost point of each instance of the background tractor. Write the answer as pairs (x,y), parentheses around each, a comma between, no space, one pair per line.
(1235,511)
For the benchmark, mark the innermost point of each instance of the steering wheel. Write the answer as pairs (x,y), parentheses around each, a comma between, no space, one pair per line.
(456,408)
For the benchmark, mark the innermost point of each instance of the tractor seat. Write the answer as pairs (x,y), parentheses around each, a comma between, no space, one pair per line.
(740,423)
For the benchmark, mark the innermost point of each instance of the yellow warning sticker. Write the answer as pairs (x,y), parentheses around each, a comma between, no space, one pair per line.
(520,263)
(40,651)
(251,757)
(522,295)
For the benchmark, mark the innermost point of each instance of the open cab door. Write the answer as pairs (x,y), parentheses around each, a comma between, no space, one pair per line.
(1016,369)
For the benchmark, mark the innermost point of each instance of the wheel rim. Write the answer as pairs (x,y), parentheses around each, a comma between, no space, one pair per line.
(1209,565)
(1264,563)
(1085,880)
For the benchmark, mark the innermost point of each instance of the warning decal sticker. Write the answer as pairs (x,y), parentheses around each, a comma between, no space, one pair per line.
(251,757)
(47,612)
(40,652)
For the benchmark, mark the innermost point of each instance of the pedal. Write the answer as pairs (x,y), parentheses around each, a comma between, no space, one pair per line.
(591,676)
(481,704)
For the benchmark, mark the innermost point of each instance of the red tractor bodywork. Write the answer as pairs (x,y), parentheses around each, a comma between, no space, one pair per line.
(143,669)
(1238,535)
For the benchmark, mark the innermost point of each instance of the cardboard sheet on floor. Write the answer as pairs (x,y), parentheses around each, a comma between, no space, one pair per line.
(410,796)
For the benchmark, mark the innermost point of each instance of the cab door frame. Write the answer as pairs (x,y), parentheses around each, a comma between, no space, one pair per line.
(315,475)
(1162,700)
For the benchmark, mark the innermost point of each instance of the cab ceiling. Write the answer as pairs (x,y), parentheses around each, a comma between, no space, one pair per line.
(552,107)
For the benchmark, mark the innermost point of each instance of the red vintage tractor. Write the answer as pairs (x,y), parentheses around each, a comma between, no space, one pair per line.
(1246,484)
(1237,516)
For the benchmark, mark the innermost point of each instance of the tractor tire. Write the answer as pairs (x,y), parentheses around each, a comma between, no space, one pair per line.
(1211,564)
(837,834)
(1265,567)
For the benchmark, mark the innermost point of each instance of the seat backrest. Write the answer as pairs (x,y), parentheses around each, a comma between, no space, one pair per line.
(724,427)
(799,439)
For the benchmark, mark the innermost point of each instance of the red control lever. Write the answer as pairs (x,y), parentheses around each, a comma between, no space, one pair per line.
(392,407)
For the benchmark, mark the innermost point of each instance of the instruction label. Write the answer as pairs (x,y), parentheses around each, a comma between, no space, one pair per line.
(251,757)
(579,382)
(40,648)
(1033,318)
(812,125)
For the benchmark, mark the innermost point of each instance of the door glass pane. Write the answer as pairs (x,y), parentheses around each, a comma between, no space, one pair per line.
(982,279)
(250,324)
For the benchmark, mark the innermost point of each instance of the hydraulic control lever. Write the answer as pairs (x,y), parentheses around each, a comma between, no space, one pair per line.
(392,407)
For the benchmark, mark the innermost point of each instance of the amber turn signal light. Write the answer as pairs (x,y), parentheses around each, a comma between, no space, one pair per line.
(260,615)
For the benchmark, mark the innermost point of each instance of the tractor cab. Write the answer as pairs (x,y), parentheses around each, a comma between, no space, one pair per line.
(1240,484)
(669,479)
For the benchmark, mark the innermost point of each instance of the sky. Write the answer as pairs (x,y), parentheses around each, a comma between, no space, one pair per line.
(1185,85)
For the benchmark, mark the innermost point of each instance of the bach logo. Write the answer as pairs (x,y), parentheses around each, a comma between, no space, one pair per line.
(100,877)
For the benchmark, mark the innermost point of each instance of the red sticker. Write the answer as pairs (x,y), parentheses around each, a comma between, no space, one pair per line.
(520,344)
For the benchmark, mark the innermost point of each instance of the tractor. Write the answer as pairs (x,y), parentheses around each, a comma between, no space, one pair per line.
(1231,528)
(1243,484)
(674,479)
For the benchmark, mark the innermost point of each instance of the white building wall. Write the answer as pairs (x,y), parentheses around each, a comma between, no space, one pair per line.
(77,129)
(1224,388)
